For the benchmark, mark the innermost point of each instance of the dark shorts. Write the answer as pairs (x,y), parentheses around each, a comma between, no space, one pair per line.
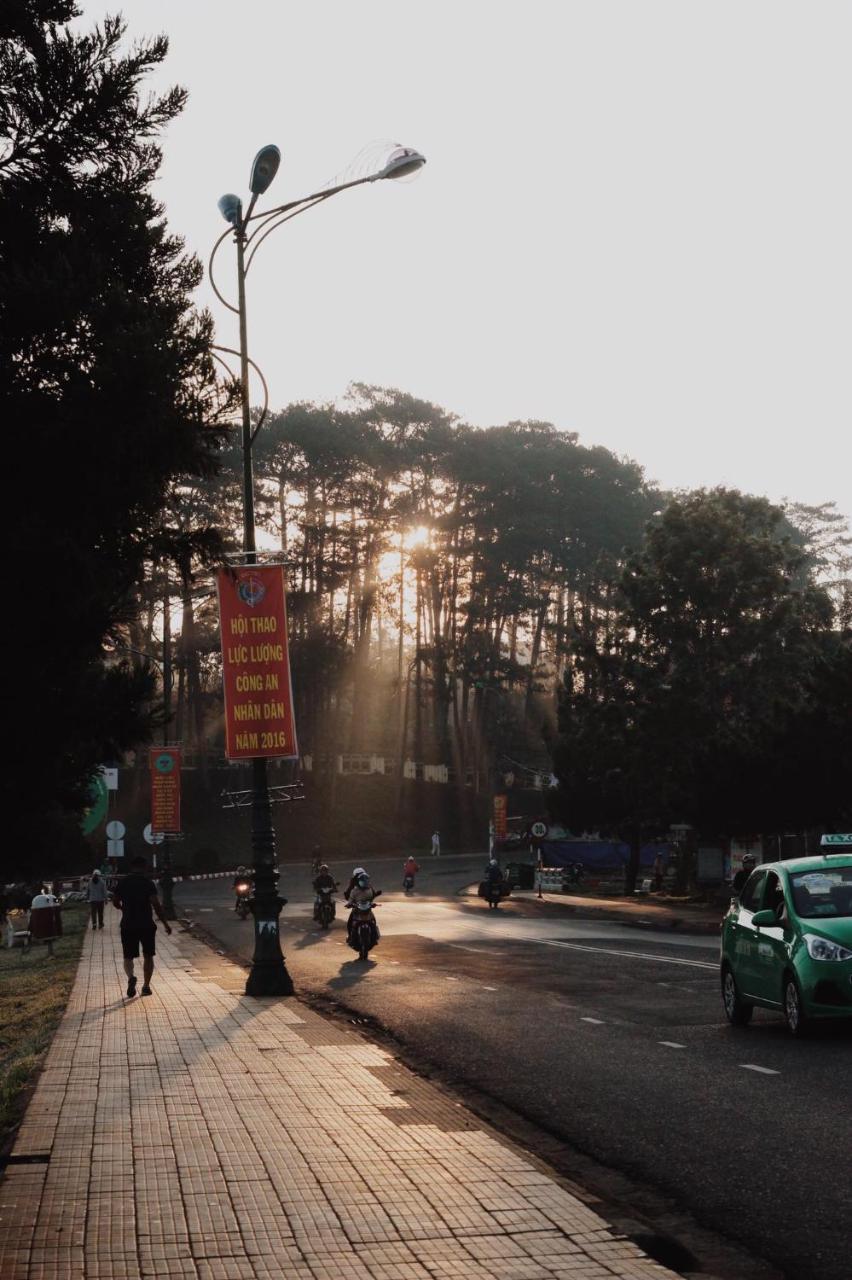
(134,935)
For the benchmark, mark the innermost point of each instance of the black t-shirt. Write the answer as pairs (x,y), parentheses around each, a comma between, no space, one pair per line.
(135,893)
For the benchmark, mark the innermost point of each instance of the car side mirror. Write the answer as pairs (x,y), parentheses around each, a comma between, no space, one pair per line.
(762,919)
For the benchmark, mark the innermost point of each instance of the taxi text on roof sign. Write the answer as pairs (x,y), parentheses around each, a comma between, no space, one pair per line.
(838,839)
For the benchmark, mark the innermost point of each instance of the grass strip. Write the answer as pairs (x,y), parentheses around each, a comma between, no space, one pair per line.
(34,990)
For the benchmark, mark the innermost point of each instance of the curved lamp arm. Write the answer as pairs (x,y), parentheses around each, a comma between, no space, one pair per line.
(231,352)
(224,301)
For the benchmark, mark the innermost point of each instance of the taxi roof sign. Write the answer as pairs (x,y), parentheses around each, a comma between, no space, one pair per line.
(837,839)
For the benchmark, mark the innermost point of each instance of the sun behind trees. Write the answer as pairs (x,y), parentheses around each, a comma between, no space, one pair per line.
(445,580)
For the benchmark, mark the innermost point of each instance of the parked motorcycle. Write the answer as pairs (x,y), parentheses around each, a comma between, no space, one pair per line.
(364,932)
(324,907)
(573,873)
(242,906)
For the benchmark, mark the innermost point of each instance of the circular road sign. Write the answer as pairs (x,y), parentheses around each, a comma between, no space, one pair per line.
(115,830)
(152,837)
(539,830)
(164,762)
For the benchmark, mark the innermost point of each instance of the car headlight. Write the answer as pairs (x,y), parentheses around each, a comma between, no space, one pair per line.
(822,949)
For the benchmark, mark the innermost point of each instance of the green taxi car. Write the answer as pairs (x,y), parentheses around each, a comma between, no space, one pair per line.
(787,942)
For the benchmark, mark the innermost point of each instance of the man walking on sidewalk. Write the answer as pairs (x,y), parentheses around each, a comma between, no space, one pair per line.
(436,844)
(137,899)
(96,893)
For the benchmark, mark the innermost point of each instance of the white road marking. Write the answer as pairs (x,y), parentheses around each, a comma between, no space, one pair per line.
(209,910)
(451,979)
(477,951)
(489,988)
(611,951)
(671,1044)
(597,1021)
(764,1071)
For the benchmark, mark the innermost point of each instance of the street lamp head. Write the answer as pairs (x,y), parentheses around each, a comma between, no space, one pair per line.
(231,208)
(263,169)
(401,162)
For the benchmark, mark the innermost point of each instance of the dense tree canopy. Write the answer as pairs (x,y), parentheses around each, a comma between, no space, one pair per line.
(721,664)
(106,383)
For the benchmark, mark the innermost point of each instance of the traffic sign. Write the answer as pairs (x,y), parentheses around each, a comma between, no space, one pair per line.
(837,839)
(115,830)
(538,830)
(115,848)
(152,837)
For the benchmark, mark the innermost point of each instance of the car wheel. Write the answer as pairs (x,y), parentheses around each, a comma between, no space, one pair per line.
(737,1011)
(794,1013)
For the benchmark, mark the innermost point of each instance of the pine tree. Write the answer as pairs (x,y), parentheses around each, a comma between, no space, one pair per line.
(106,387)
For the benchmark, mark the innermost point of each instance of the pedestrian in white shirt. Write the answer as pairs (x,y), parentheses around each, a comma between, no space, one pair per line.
(96,896)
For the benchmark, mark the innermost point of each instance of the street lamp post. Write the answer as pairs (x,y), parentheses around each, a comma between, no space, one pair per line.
(268,975)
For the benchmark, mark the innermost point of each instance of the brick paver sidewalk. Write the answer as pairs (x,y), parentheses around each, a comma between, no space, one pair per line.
(204,1134)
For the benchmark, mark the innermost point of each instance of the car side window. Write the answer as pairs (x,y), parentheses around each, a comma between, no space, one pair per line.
(751,894)
(773,898)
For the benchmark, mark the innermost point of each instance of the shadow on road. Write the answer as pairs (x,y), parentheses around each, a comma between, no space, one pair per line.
(310,938)
(352,971)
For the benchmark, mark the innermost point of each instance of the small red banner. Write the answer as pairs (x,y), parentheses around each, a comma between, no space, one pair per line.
(259,717)
(500,817)
(164,763)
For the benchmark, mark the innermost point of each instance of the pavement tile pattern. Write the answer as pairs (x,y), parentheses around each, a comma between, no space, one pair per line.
(201,1133)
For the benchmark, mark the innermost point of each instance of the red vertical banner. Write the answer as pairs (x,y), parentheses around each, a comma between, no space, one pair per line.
(164,763)
(500,817)
(259,717)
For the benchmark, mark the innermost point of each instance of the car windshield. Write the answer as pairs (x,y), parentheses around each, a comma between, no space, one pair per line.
(827,892)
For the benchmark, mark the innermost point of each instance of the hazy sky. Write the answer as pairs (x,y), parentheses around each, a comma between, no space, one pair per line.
(635,220)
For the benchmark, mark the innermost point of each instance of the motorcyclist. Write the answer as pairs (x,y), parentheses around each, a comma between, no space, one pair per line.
(242,877)
(493,874)
(410,868)
(353,880)
(322,880)
(749,863)
(362,894)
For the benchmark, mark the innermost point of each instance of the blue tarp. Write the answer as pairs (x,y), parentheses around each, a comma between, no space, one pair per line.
(600,854)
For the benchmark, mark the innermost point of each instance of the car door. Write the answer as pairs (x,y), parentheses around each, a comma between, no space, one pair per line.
(770,942)
(744,934)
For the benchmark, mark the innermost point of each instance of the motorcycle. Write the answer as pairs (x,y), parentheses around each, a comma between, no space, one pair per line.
(573,873)
(364,932)
(324,908)
(242,906)
(408,883)
(495,890)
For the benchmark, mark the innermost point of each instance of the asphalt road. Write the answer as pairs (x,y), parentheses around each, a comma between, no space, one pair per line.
(609,1037)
